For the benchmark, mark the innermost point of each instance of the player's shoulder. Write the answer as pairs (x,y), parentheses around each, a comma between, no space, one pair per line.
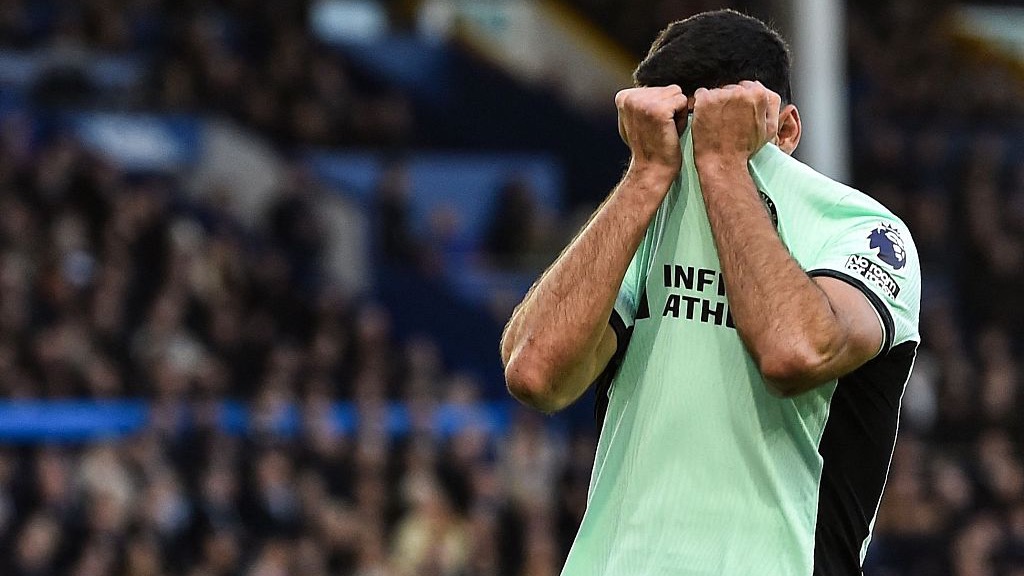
(855,204)
(860,224)
(790,181)
(856,213)
(835,201)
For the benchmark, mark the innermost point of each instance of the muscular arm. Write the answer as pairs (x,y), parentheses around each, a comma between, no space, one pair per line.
(801,332)
(558,340)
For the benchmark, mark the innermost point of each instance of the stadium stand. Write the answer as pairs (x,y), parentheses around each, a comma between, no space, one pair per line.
(951,168)
(188,390)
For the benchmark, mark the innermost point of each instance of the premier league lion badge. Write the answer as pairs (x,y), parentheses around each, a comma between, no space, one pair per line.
(886,239)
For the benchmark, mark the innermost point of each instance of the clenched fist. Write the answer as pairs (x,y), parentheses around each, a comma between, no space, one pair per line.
(732,123)
(650,121)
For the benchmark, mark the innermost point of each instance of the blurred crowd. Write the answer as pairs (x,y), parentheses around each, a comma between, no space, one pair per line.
(117,285)
(250,60)
(951,166)
(635,23)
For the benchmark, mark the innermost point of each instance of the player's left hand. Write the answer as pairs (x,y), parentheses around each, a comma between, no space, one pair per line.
(732,123)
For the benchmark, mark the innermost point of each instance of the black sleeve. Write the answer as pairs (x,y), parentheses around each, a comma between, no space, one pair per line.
(604,380)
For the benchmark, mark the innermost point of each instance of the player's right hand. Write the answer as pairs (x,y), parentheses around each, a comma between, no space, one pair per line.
(650,121)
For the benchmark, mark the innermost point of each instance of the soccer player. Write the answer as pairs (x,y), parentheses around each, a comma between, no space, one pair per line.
(751,325)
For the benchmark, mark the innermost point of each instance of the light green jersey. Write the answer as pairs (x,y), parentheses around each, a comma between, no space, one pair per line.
(699,469)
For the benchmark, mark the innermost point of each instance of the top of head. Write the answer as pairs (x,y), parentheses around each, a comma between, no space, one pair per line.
(714,49)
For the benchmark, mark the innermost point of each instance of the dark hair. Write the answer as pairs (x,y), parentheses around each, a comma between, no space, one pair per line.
(714,49)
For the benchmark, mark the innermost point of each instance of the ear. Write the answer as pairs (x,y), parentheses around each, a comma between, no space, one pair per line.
(790,129)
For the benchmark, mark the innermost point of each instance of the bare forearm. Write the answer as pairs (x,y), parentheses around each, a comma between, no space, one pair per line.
(801,332)
(782,315)
(558,339)
(551,341)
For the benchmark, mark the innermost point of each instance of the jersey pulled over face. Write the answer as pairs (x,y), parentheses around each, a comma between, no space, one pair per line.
(700,470)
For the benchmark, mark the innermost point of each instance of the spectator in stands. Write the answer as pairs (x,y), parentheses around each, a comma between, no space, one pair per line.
(514,234)
(396,242)
(113,285)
